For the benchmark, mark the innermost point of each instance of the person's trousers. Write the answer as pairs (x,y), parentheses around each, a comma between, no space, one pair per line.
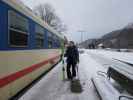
(71,74)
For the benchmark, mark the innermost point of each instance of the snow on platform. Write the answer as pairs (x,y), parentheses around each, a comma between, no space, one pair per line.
(105,88)
(51,86)
(107,58)
(123,56)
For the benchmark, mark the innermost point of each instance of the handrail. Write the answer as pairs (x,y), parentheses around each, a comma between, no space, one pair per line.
(125,96)
(101,73)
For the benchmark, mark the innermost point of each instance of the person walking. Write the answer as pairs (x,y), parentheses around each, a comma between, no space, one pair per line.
(72,55)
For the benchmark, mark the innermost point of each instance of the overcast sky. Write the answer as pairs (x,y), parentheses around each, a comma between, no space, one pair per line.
(96,17)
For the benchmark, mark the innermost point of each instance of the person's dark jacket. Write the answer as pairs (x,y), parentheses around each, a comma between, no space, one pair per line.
(72,54)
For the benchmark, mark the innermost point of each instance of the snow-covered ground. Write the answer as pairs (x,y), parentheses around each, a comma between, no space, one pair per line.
(124,56)
(51,86)
(108,58)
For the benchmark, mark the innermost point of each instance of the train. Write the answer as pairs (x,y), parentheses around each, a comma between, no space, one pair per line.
(28,47)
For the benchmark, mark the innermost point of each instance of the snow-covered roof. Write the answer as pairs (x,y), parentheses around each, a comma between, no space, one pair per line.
(19,6)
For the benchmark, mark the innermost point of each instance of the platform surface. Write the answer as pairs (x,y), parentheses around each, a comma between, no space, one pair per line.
(51,86)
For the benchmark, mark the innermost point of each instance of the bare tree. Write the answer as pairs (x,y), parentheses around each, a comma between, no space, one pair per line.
(47,13)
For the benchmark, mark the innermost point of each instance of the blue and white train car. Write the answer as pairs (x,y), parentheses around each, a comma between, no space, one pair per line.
(28,47)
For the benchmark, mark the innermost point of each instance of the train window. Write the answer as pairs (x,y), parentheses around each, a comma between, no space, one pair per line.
(50,40)
(59,43)
(18,30)
(50,44)
(56,41)
(39,36)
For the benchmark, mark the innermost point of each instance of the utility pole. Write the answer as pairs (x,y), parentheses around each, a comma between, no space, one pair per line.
(81,31)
